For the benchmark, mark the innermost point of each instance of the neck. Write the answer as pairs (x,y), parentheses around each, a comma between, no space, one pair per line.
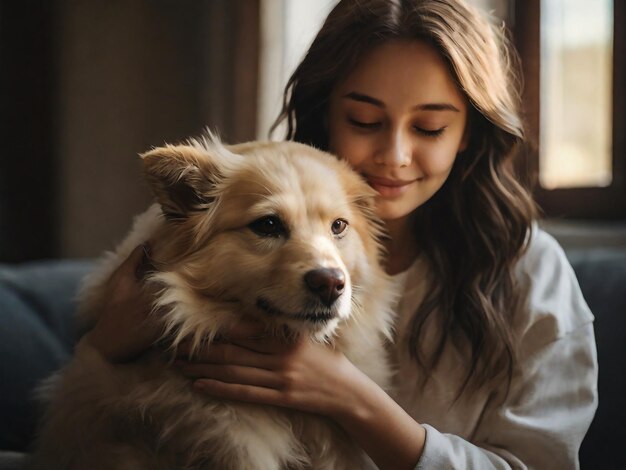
(401,245)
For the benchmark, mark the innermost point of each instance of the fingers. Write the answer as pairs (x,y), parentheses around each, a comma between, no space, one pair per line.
(144,265)
(133,268)
(232,374)
(239,392)
(231,354)
(124,327)
(247,333)
(261,344)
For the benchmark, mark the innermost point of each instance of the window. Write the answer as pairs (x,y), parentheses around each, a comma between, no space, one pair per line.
(287,30)
(573,56)
(575,91)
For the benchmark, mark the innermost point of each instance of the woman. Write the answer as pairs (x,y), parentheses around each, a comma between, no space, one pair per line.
(494,347)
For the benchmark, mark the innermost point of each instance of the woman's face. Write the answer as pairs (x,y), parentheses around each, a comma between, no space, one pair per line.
(399,120)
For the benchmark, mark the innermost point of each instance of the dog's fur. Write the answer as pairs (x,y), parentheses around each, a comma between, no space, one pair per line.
(212,265)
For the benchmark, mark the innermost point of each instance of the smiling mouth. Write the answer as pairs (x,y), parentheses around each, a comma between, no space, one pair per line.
(375,180)
(314,315)
(389,187)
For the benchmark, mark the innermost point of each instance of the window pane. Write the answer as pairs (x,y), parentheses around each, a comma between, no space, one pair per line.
(576,92)
(287,29)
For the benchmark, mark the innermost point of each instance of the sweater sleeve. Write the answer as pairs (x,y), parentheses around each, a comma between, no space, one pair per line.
(540,421)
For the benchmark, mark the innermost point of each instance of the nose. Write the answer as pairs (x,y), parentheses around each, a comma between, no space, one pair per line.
(327,283)
(398,151)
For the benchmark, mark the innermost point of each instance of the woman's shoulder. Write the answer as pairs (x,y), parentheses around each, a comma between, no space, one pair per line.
(552,305)
(543,255)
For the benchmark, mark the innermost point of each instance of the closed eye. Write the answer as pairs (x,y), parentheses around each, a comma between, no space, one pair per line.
(364,125)
(376,125)
(430,132)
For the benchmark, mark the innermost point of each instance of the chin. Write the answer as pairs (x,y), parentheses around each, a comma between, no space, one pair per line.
(390,211)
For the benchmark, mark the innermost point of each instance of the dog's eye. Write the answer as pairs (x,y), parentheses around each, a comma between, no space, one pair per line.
(339,226)
(268,226)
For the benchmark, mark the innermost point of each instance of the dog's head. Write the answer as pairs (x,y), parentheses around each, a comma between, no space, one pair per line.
(278,231)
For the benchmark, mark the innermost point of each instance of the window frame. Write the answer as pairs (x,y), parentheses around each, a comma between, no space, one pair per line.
(608,203)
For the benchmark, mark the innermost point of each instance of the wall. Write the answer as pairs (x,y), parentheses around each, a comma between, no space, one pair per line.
(120,78)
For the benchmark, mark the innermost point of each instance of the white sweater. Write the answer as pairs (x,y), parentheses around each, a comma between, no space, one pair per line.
(552,398)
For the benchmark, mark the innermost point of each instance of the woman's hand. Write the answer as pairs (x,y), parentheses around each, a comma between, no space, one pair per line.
(249,366)
(123,330)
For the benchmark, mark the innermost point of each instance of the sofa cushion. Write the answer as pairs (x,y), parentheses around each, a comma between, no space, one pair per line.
(36,338)
(601,274)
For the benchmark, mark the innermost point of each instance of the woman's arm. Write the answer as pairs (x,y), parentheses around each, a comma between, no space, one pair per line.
(539,423)
(392,438)
(313,378)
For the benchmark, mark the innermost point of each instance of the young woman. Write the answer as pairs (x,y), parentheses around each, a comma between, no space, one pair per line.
(495,353)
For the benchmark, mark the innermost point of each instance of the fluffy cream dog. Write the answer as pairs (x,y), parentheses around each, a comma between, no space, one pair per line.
(278,231)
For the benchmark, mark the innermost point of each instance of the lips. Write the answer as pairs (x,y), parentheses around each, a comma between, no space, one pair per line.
(387,187)
(314,315)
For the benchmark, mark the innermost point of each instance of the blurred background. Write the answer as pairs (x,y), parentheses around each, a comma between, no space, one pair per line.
(85,86)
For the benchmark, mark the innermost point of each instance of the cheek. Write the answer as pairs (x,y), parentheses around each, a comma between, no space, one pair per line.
(353,150)
(438,162)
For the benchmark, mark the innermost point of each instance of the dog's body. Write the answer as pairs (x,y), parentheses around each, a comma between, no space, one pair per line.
(278,231)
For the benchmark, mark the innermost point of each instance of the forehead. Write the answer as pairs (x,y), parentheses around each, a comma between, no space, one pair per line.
(293,184)
(409,72)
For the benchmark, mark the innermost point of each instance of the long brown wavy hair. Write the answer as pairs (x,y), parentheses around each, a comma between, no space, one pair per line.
(475,228)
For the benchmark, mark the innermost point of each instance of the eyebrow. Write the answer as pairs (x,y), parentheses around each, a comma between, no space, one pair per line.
(353,95)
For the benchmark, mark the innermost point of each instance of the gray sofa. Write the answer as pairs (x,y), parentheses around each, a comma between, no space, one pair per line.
(37,335)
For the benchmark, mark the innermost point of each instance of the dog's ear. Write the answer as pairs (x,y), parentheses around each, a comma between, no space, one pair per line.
(182,178)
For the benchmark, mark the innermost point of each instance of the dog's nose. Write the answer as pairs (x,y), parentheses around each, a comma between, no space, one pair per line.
(327,283)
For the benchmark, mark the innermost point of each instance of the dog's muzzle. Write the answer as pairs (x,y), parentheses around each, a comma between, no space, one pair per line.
(324,286)
(327,284)
(314,313)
